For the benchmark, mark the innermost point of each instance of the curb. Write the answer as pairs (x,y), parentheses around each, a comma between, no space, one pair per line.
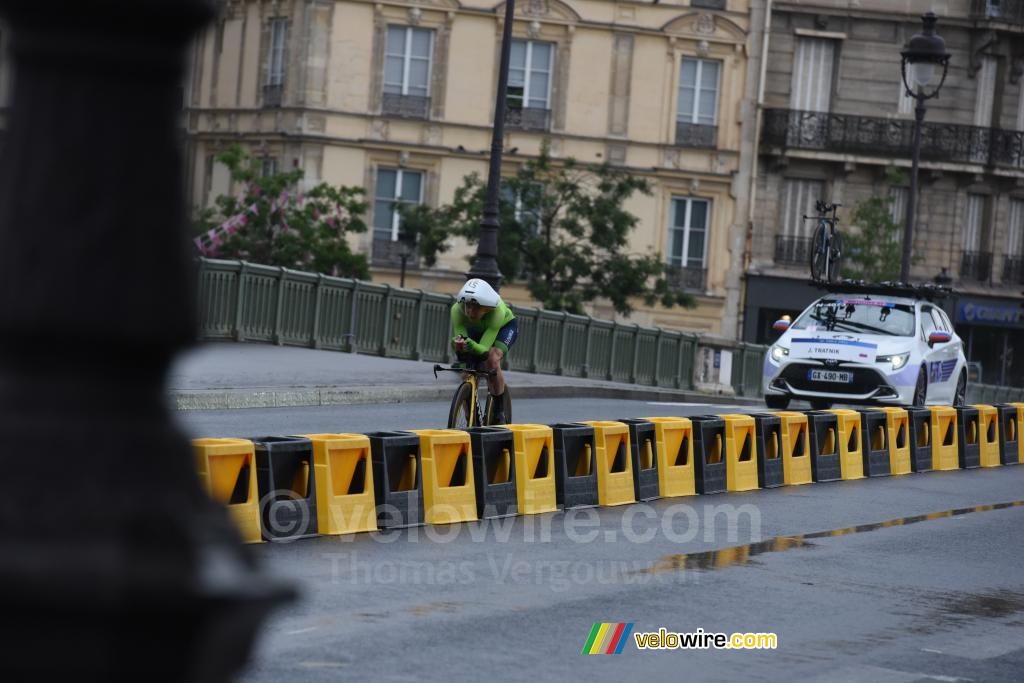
(230,399)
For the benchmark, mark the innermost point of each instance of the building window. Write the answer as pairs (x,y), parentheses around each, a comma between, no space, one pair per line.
(974,264)
(985,95)
(273,86)
(526,204)
(906,103)
(1013,263)
(697,103)
(394,188)
(528,96)
(898,204)
(407,67)
(811,84)
(792,244)
(268,166)
(687,242)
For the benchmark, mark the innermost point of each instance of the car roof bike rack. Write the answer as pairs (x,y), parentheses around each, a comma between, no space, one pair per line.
(925,291)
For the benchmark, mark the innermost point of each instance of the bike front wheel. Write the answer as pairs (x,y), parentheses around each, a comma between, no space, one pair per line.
(819,254)
(835,256)
(461,415)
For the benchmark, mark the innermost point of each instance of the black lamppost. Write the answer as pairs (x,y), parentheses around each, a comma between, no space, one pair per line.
(485,265)
(923,55)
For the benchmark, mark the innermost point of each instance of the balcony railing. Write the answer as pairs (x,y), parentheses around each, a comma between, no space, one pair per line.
(273,94)
(687,278)
(1010,11)
(390,253)
(405,106)
(852,134)
(696,135)
(975,265)
(528,118)
(792,250)
(1013,270)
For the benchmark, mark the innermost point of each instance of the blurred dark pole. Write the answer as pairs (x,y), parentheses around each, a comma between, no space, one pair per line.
(485,264)
(113,564)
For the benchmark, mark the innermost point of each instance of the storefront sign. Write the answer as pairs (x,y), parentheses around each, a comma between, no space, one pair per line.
(990,314)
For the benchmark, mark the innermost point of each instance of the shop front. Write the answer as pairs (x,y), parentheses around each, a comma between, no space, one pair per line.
(993,333)
(768,299)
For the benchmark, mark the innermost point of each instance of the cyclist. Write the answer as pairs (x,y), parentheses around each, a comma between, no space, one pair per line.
(485,326)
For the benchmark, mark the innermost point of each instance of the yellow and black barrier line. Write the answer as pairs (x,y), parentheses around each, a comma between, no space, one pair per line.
(674,436)
(1010,419)
(898,425)
(227,472)
(823,429)
(344,483)
(851,447)
(535,468)
(614,463)
(397,478)
(449,495)
(945,426)
(709,453)
(575,465)
(796,448)
(1020,431)
(988,435)
(874,427)
(768,429)
(920,439)
(285,482)
(495,470)
(740,452)
(644,453)
(968,435)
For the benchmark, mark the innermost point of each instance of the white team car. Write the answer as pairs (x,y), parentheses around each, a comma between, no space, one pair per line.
(866,348)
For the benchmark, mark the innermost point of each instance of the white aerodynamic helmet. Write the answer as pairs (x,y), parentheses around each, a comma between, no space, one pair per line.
(479,292)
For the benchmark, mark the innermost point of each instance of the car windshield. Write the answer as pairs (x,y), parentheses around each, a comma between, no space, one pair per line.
(866,316)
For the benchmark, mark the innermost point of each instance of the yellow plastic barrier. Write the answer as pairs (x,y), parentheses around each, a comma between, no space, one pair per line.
(945,454)
(449,495)
(674,438)
(796,449)
(614,464)
(988,436)
(851,457)
(343,471)
(535,468)
(740,453)
(227,472)
(1020,431)
(898,425)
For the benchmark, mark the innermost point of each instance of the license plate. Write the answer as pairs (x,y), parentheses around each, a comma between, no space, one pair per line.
(830,376)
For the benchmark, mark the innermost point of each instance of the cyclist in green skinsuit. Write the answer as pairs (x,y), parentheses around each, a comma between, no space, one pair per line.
(484,326)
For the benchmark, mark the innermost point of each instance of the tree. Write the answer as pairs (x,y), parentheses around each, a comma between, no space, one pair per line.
(272,223)
(563,231)
(873,251)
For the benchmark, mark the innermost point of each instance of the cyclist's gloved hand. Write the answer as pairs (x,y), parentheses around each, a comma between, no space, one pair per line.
(460,344)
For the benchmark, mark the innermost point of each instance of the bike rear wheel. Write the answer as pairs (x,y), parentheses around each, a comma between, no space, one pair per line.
(819,253)
(506,404)
(462,413)
(836,256)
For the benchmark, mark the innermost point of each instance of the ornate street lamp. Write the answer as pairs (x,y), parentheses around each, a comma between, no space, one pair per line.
(923,56)
(485,264)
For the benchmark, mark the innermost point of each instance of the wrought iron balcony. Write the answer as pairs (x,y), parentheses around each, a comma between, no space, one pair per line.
(975,265)
(687,278)
(708,4)
(792,250)
(696,135)
(1013,270)
(273,95)
(871,136)
(1009,11)
(528,118)
(405,106)
(391,252)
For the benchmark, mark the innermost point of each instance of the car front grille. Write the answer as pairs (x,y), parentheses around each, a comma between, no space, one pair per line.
(864,381)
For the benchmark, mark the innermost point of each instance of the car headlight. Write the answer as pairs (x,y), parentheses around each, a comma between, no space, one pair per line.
(898,360)
(779,352)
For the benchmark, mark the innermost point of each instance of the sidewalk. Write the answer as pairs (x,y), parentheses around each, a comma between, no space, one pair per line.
(233,375)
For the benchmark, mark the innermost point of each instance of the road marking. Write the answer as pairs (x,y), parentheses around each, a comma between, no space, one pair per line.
(301,630)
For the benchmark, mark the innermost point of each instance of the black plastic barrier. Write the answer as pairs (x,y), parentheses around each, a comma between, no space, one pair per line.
(874,433)
(575,465)
(920,439)
(644,447)
(824,431)
(1009,439)
(397,478)
(494,469)
(968,437)
(286,486)
(709,453)
(768,431)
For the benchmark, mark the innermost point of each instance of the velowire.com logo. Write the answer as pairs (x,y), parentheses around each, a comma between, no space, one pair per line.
(607,638)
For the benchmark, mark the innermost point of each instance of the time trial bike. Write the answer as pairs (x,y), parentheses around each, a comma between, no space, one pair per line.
(465,411)
(826,244)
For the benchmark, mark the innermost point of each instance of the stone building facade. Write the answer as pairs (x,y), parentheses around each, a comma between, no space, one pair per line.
(834,118)
(397,97)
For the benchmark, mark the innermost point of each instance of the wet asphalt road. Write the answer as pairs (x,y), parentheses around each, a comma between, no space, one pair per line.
(863,580)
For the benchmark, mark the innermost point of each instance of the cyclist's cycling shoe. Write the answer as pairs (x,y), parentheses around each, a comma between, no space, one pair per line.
(498,417)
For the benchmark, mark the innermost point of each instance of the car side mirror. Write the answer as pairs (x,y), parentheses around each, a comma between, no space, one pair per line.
(938,337)
(780,325)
